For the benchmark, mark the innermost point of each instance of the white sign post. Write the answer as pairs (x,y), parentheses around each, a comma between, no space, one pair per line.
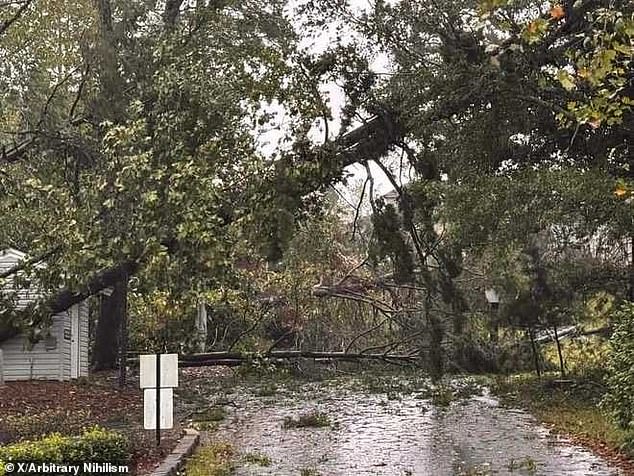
(158,376)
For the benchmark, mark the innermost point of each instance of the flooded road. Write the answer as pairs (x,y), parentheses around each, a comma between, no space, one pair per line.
(392,433)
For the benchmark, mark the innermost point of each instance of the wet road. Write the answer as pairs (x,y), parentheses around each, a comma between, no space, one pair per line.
(395,434)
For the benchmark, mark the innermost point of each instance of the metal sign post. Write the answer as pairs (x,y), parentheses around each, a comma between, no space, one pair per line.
(158,399)
(158,377)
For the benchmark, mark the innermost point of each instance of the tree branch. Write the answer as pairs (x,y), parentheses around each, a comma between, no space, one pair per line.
(365,333)
(4,26)
(30,262)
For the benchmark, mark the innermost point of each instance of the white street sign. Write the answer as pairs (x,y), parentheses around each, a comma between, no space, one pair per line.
(169,370)
(149,408)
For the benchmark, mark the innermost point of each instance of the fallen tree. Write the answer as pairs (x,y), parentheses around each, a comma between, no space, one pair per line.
(239,358)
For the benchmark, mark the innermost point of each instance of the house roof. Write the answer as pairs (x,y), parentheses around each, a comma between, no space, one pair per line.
(11,254)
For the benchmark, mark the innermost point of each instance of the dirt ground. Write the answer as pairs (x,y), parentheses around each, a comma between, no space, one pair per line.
(35,408)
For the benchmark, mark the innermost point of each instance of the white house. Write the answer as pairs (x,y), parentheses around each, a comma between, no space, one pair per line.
(62,355)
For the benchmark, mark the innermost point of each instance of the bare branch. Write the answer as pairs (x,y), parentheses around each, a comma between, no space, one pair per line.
(4,26)
(52,95)
(365,333)
(358,208)
(278,341)
(80,90)
(248,331)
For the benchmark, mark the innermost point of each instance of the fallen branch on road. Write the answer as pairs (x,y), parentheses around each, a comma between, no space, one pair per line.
(239,358)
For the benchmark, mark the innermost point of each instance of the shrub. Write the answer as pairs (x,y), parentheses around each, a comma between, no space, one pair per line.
(94,445)
(38,425)
(212,460)
(620,379)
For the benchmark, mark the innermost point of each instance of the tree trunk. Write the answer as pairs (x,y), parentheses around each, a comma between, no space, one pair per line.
(436,362)
(122,308)
(238,358)
(494,325)
(107,336)
(531,334)
(631,280)
(562,367)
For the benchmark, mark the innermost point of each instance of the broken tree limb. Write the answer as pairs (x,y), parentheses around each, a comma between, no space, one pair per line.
(238,358)
(66,298)
(29,262)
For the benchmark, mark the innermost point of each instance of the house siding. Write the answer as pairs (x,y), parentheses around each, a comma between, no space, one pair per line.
(84,337)
(39,362)
(65,347)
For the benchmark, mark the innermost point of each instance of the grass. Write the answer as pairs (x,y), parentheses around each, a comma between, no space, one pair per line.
(208,419)
(206,425)
(313,419)
(266,390)
(210,414)
(527,464)
(308,472)
(257,459)
(570,408)
(213,460)
(442,396)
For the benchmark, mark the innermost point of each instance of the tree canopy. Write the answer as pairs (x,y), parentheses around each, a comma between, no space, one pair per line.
(131,140)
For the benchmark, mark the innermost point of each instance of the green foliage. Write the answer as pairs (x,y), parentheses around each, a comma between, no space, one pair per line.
(620,380)
(94,445)
(309,472)
(37,425)
(165,172)
(594,73)
(257,459)
(391,243)
(313,419)
(526,463)
(581,356)
(159,320)
(525,202)
(211,460)
(210,414)
(442,396)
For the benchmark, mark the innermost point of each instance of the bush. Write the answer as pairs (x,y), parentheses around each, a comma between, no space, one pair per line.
(620,379)
(95,445)
(212,460)
(38,425)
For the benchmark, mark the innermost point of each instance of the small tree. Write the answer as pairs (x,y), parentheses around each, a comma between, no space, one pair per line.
(620,397)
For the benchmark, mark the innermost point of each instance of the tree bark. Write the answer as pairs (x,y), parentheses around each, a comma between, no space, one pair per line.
(238,358)
(531,335)
(5,25)
(170,14)
(630,290)
(109,325)
(106,278)
(562,367)
(123,334)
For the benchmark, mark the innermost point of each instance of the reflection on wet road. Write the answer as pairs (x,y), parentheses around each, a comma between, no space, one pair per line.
(403,434)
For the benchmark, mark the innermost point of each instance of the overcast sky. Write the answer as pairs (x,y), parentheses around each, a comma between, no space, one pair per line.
(270,141)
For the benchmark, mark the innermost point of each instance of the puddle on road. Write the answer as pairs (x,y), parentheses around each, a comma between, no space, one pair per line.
(379,434)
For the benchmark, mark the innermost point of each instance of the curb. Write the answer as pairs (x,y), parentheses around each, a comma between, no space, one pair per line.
(176,459)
